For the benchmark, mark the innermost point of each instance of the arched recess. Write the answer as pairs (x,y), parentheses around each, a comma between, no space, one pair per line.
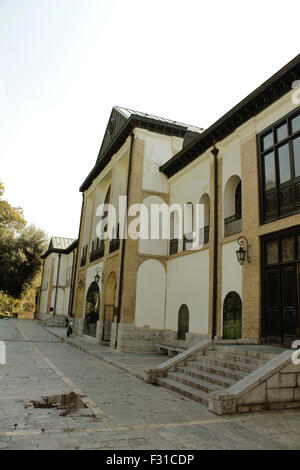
(110,309)
(232,316)
(92,309)
(150,295)
(183,322)
(204,234)
(232,206)
(111,289)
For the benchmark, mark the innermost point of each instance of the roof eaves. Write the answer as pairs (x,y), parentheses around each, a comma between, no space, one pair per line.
(133,121)
(206,139)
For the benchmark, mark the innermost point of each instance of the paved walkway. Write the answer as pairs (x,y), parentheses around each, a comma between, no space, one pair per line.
(120,411)
(133,363)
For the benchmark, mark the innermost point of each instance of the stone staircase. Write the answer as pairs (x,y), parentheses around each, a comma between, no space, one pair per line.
(215,368)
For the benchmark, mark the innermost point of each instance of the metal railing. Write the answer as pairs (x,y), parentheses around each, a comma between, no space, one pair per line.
(232,225)
(97,252)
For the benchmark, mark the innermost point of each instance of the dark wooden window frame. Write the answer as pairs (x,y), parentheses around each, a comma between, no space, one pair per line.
(292,185)
(292,232)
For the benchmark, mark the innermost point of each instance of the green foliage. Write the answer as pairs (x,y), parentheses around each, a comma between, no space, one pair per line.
(8,303)
(21,248)
(10,217)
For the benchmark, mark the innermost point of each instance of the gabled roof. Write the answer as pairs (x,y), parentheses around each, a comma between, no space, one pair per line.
(121,122)
(129,112)
(266,94)
(60,245)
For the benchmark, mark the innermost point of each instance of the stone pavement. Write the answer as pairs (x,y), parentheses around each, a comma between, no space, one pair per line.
(121,412)
(133,363)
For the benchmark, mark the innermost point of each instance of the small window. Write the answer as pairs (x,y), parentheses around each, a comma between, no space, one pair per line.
(281,132)
(232,316)
(267,141)
(296,124)
(272,252)
(296,151)
(183,322)
(287,249)
(284,163)
(269,171)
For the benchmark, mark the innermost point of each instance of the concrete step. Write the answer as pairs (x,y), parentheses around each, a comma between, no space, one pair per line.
(252,361)
(184,390)
(223,381)
(244,351)
(216,370)
(233,365)
(193,382)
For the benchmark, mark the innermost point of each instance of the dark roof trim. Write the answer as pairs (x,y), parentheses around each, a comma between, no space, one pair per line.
(266,94)
(64,251)
(134,120)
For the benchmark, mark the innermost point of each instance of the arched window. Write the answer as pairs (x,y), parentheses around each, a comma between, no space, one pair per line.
(188,225)
(105,212)
(238,201)
(232,316)
(204,231)
(232,205)
(183,322)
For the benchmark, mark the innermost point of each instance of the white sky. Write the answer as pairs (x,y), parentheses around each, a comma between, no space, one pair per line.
(65,63)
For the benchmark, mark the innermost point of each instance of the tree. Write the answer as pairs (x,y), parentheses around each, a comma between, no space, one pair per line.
(11,217)
(21,248)
(20,259)
(8,303)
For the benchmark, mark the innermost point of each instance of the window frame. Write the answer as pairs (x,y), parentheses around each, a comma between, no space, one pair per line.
(292,185)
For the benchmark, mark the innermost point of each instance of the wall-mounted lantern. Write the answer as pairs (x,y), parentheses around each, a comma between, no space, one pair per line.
(243,252)
(80,282)
(97,275)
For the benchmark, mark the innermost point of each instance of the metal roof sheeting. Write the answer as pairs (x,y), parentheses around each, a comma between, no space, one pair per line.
(60,243)
(129,112)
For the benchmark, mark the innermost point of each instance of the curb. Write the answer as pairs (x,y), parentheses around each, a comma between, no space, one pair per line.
(96,356)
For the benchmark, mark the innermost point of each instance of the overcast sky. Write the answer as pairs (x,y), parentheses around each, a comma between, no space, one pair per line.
(65,63)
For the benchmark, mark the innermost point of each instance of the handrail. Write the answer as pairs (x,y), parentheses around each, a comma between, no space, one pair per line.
(161,369)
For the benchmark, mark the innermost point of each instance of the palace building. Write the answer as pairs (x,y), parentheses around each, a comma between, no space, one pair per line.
(56,291)
(244,283)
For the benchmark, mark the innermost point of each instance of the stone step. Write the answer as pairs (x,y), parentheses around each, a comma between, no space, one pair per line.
(184,390)
(216,370)
(233,365)
(207,376)
(244,351)
(193,382)
(252,361)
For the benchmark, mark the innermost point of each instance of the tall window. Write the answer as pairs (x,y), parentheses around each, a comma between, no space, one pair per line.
(204,232)
(183,322)
(233,206)
(279,163)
